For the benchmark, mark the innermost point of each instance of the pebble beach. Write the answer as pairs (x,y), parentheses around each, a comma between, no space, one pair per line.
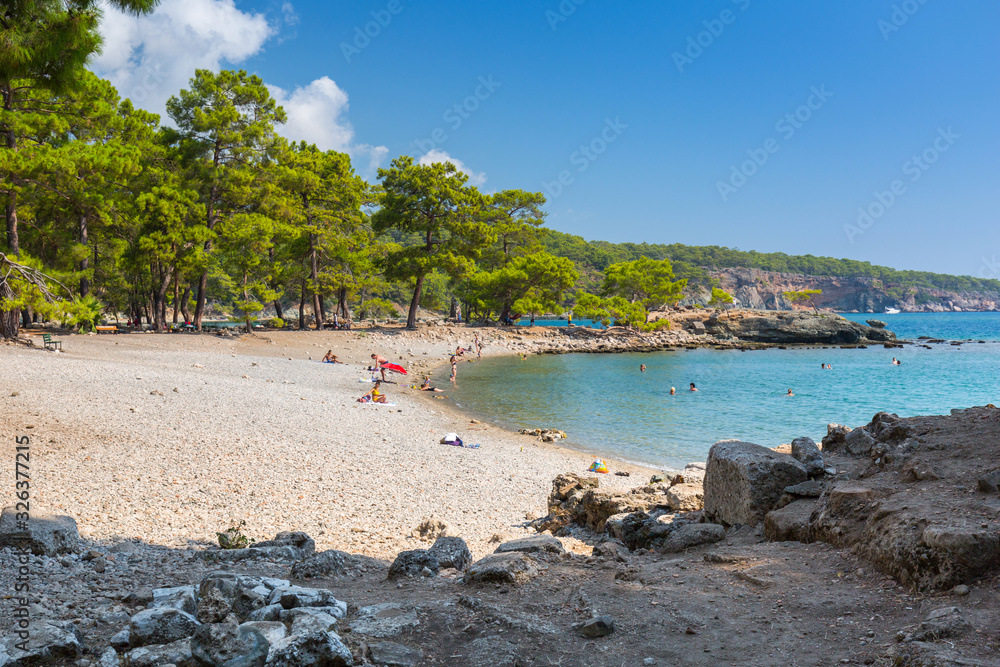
(169,438)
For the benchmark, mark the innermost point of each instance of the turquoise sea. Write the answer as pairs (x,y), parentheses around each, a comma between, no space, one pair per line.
(608,407)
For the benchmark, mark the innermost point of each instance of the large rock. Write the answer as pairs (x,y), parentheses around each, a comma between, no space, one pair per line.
(859,442)
(990,482)
(532,544)
(412,564)
(388,619)
(178,597)
(42,534)
(222,593)
(305,545)
(686,497)
(797,328)
(175,653)
(273,631)
(320,649)
(324,564)
(806,452)
(47,642)
(744,481)
(598,626)
(290,597)
(691,535)
(503,568)
(451,552)
(791,523)
(160,626)
(306,620)
(226,645)
(835,439)
(394,655)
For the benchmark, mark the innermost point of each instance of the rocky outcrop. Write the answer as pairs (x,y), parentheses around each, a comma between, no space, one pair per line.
(42,534)
(790,328)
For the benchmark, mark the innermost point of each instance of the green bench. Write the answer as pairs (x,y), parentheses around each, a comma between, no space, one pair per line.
(51,344)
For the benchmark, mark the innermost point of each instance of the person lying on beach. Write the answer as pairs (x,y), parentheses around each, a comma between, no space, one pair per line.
(373,395)
(426,386)
(693,388)
(331,358)
(379,360)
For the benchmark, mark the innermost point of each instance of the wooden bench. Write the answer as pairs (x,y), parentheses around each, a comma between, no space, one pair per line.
(107,329)
(49,343)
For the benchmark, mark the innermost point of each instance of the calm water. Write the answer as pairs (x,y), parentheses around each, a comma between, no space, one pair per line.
(608,407)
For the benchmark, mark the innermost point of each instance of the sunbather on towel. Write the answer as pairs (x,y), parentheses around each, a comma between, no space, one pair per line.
(331,358)
(373,395)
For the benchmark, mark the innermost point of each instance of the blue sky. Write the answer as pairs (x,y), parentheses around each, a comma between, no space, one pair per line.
(741,123)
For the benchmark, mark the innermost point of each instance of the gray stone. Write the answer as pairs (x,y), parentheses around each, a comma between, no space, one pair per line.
(503,568)
(179,597)
(611,551)
(305,545)
(271,612)
(806,452)
(791,523)
(876,324)
(223,592)
(942,623)
(532,544)
(324,564)
(318,649)
(859,442)
(412,563)
(990,482)
(686,497)
(835,437)
(119,640)
(394,655)
(48,642)
(451,552)
(228,645)
(160,626)
(810,489)
(273,631)
(109,658)
(307,620)
(744,481)
(384,620)
(287,552)
(290,597)
(175,653)
(692,535)
(42,534)
(599,626)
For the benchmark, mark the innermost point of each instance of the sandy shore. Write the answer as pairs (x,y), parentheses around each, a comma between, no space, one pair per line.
(170,438)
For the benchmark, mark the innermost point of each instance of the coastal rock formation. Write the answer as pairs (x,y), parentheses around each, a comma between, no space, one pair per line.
(789,328)
(744,481)
(44,534)
(908,498)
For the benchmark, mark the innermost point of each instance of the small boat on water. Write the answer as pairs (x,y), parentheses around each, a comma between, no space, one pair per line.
(892,311)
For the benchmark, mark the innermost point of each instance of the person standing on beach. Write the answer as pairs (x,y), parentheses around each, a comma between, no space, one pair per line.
(478,344)
(379,360)
(454,368)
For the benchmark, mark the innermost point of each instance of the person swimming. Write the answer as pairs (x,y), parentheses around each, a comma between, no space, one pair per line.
(331,358)
(789,393)
(672,391)
(693,388)
(895,361)
(642,368)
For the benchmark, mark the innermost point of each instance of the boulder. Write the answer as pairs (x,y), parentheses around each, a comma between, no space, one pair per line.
(412,564)
(222,593)
(876,324)
(810,489)
(384,620)
(533,544)
(941,623)
(273,631)
(318,648)
(835,438)
(451,552)
(691,535)
(744,481)
(307,620)
(291,597)
(503,568)
(324,564)
(109,658)
(859,442)
(119,640)
(179,597)
(160,626)
(611,551)
(286,552)
(270,613)
(228,645)
(176,653)
(790,523)
(305,545)
(42,534)
(598,626)
(990,482)
(805,451)
(394,655)
(48,642)
(686,497)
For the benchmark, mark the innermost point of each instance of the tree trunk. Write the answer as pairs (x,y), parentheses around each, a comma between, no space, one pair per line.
(411,318)
(177,294)
(8,318)
(322,313)
(184,303)
(210,219)
(302,306)
(453,311)
(278,312)
(85,262)
(314,277)
(343,308)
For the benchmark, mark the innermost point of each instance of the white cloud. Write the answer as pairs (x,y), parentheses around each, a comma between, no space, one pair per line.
(150,58)
(438,155)
(317,114)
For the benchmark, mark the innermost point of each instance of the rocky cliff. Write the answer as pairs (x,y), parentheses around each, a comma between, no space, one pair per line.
(763,290)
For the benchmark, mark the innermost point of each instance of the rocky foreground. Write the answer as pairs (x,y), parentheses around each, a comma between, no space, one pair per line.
(880,545)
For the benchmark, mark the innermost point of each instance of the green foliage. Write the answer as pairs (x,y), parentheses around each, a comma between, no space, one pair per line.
(276,323)
(534,283)
(644,281)
(234,538)
(720,298)
(376,308)
(808,295)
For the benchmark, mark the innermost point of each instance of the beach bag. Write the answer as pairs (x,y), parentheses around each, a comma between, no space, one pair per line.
(599,466)
(451,439)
